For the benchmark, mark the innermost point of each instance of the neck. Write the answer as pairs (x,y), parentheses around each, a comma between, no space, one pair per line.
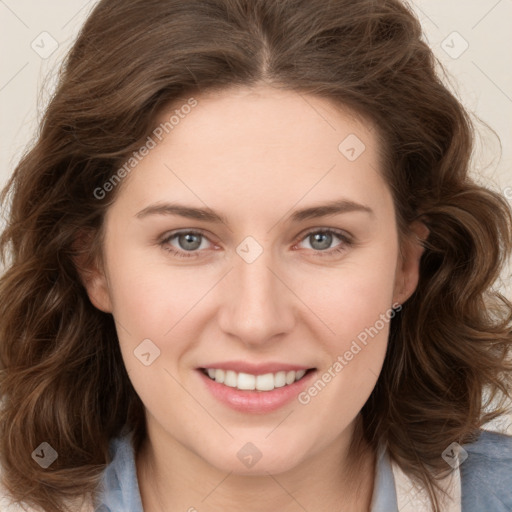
(334,479)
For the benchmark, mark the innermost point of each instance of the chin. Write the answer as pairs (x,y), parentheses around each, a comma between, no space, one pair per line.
(250,459)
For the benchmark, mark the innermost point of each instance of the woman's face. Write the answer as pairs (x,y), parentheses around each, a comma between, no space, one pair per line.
(277,285)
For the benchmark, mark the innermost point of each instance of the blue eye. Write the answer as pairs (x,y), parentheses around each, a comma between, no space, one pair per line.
(324,238)
(190,242)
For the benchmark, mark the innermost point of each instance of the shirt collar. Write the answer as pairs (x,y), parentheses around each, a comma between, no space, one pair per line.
(414,498)
(393,490)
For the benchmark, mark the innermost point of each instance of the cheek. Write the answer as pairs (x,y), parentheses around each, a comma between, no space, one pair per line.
(355,302)
(156,303)
(150,299)
(152,309)
(352,297)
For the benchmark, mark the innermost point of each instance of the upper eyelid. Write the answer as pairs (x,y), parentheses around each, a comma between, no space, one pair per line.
(308,231)
(340,233)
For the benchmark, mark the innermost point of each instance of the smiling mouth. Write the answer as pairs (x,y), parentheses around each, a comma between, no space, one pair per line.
(250,382)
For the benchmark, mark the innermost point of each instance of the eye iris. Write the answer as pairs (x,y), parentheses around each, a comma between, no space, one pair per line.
(324,238)
(188,238)
(192,241)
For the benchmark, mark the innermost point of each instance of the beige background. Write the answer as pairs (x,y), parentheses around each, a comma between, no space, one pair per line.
(472,39)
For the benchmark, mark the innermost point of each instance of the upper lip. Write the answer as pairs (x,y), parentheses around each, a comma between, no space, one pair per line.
(255,369)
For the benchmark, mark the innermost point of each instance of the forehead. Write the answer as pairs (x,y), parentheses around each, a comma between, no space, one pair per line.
(259,147)
(262,117)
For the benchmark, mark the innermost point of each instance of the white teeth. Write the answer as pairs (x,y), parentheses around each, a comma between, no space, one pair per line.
(300,374)
(231,379)
(246,381)
(265,382)
(219,376)
(290,377)
(280,379)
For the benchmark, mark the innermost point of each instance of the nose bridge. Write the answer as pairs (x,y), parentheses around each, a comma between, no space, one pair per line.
(258,306)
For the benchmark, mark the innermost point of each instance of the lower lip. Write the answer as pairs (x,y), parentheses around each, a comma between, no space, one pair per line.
(257,402)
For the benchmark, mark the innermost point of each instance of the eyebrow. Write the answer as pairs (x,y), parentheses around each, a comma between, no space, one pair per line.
(207,214)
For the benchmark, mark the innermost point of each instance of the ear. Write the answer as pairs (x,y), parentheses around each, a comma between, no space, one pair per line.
(91,272)
(408,267)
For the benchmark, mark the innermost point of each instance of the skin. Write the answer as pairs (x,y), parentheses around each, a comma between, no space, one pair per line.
(254,155)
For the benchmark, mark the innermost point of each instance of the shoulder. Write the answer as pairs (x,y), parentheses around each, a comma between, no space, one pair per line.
(7,503)
(6,500)
(118,485)
(119,489)
(486,474)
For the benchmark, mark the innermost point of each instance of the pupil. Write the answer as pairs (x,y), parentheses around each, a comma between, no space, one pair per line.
(189,239)
(326,240)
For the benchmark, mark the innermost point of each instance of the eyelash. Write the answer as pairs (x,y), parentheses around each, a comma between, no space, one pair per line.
(346,242)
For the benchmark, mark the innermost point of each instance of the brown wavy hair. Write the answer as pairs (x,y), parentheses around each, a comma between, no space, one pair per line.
(63,380)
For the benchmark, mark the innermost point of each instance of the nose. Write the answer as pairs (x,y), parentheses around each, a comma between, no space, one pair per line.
(259,306)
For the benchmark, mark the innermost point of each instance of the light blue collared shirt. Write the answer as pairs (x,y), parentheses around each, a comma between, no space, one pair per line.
(486,478)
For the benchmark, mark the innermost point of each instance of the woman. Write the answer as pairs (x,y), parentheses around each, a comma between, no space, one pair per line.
(249,271)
